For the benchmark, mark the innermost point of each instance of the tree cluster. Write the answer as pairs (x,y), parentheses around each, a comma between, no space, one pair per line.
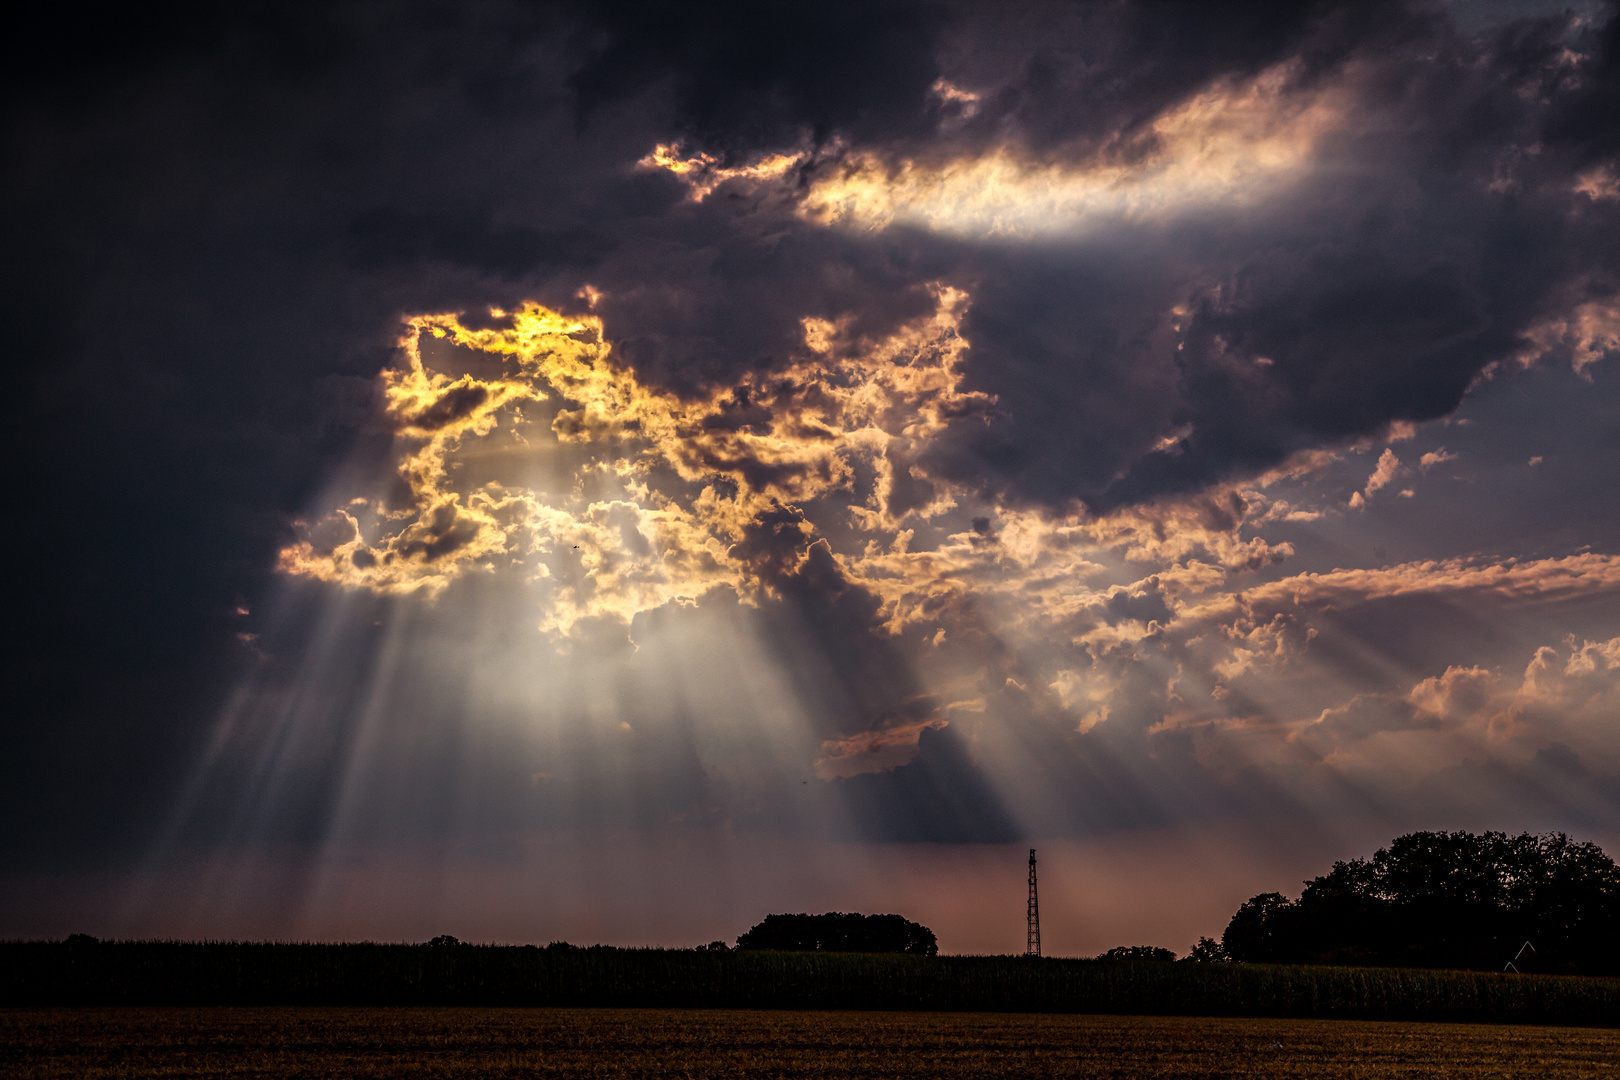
(1447,900)
(840,932)
(1154,953)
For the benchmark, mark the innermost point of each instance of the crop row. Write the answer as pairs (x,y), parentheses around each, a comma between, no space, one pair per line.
(178,973)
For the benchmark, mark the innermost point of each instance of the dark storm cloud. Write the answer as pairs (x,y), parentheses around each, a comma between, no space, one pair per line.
(717,290)
(212,225)
(214,221)
(744,75)
(848,673)
(940,797)
(1584,118)
(1077,78)
(1144,605)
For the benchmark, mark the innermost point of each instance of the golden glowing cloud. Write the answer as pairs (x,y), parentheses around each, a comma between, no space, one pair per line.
(660,491)
(688,477)
(703,172)
(1232,144)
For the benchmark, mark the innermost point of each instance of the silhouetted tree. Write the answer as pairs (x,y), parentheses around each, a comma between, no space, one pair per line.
(1263,930)
(840,932)
(1208,951)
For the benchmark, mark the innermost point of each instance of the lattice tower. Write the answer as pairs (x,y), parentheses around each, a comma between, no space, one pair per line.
(1032,944)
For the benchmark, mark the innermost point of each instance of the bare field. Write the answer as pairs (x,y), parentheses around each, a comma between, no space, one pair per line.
(604,1043)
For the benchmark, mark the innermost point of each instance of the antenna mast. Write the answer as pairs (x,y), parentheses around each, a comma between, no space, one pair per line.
(1032,945)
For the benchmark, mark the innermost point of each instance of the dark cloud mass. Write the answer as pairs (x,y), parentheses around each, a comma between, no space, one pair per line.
(741,75)
(989,444)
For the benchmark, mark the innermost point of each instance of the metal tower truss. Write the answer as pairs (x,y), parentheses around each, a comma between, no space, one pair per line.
(1032,944)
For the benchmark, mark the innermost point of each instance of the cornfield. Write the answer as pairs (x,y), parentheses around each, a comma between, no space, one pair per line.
(181,973)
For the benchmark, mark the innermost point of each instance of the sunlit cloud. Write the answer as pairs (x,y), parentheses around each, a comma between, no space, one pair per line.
(1511,580)
(876,748)
(1562,696)
(1382,474)
(1586,334)
(703,172)
(1232,144)
(676,485)
(1599,183)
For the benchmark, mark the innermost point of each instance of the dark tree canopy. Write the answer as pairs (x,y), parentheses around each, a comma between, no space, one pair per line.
(840,932)
(1454,900)
(1139,952)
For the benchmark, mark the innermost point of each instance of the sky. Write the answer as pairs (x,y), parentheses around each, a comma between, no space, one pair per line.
(608,472)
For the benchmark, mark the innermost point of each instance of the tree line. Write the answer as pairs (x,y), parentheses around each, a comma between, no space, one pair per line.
(1444,900)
